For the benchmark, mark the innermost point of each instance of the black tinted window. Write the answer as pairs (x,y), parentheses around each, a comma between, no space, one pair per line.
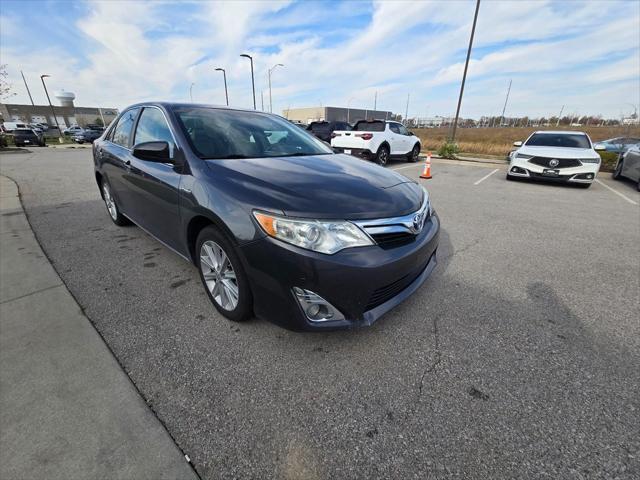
(394,127)
(216,133)
(152,127)
(122,132)
(558,140)
(364,126)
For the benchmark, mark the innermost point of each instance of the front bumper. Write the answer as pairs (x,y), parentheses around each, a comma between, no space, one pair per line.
(363,283)
(585,173)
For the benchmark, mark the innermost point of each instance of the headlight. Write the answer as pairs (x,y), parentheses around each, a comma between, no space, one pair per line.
(590,160)
(522,156)
(317,235)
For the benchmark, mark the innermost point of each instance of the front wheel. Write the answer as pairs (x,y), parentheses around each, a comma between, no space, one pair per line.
(382,157)
(223,276)
(617,173)
(414,154)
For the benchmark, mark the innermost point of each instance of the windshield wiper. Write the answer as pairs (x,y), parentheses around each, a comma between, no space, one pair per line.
(227,157)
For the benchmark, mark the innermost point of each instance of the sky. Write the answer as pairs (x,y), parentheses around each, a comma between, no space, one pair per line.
(584,55)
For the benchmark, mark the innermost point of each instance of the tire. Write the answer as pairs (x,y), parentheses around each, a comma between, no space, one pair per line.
(414,153)
(382,155)
(223,276)
(617,173)
(112,207)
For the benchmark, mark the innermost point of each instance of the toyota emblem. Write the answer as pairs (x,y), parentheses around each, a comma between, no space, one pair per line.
(417,222)
(554,162)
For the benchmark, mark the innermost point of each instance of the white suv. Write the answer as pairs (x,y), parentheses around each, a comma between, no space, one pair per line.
(556,155)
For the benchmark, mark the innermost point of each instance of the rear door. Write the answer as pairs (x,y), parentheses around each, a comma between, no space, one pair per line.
(155,186)
(116,157)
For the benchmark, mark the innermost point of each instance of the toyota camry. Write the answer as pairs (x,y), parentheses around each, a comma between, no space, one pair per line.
(278,225)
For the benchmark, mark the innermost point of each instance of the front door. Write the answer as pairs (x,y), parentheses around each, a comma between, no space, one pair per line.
(155,186)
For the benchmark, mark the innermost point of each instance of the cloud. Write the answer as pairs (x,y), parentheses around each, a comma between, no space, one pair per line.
(117,53)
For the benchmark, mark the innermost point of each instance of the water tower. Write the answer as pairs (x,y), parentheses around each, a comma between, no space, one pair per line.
(65,98)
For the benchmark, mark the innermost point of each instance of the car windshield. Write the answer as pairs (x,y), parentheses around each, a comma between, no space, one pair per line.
(365,126)
(217,134)
(558,140)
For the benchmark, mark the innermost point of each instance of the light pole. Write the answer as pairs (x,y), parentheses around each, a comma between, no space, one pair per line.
(464,75)
(253,83)
(348,110)
(406,112)
(224,75)
(271,70)
(560,116)
(27,87)
(42,77)
(191,90)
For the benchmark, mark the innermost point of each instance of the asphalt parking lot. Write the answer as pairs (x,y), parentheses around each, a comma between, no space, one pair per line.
(519,358)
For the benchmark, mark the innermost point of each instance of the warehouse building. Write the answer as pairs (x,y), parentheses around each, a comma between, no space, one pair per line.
(67,114)
(334,114)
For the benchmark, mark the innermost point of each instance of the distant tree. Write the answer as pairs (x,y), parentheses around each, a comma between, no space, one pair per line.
(5,87)
(98,121)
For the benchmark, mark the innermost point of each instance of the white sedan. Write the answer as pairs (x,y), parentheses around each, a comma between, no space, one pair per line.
(565,156)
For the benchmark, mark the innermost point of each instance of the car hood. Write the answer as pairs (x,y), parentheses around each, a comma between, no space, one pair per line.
(558,152)
(317,186)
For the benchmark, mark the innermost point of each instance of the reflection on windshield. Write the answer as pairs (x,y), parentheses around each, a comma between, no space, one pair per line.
(224,134)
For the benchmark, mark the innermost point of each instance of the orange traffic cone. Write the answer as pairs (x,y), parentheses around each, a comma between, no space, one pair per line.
(426,171)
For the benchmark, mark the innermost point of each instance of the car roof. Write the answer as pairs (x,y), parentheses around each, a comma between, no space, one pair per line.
(172,105)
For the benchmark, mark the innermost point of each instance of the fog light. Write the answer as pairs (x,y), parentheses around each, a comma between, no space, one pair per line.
(316,308)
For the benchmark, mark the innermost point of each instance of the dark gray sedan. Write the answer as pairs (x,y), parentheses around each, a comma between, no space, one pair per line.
(628,165)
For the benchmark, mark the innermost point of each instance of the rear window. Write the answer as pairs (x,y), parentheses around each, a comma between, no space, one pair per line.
(365,126)
(319,127)
(567,140)
(22,130)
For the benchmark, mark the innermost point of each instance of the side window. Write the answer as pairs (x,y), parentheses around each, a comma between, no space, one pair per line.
(394,128)
(152,127)
(122,132)
(402,130)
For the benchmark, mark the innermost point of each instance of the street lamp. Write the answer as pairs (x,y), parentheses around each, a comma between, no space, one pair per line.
(191,90)
(271,70)
(42,77)
(253,83)
(348,110)
(224,74)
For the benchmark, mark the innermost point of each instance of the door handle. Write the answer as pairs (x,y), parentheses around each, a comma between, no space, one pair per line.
(127,163)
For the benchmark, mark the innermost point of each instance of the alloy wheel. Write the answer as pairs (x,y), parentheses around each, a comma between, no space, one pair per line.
(109,202)
(219,275)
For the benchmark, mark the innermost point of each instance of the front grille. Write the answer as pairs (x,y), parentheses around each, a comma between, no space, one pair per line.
(393,238)
(382,294)
(562,162)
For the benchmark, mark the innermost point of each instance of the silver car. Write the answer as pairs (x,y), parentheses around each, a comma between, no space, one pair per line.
(628,165)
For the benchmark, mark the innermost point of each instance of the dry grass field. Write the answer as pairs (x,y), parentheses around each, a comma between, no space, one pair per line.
(498,141)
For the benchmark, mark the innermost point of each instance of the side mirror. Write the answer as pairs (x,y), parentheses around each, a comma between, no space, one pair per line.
(517,144)
(152,152)
(599,147)
(411,134)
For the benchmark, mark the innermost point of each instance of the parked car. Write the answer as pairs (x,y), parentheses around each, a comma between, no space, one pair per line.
(87,136)
(72,130)
(377,140)
(323,130)
(276,223)
(42,126)
(565,156)
(35,128)
(628,165)
(619,144)
(26,136)
(9,127)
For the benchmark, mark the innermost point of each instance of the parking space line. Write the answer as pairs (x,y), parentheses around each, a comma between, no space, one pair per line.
(486,176)
(632,202)
(406,166)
